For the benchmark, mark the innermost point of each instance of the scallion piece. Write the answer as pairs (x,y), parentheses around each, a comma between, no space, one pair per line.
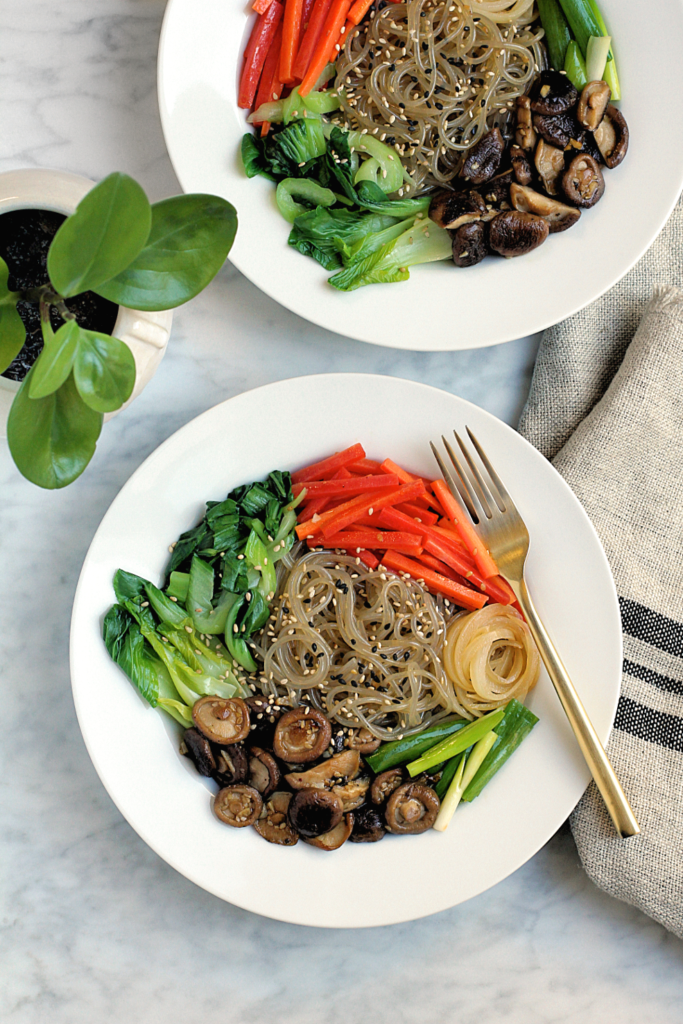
(582,21)
(610,75)
(453,745)
(467,769)
(596,57)
(516,725)
(575,66)
(451,767)
(397,752)
(557,34)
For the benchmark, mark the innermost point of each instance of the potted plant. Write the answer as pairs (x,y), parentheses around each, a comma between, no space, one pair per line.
(111,273)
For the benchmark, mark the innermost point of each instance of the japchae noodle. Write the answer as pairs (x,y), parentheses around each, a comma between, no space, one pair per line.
(432,76)
(490,657)
(365,646)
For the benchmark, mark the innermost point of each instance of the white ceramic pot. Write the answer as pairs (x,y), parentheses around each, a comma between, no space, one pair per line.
(146,334)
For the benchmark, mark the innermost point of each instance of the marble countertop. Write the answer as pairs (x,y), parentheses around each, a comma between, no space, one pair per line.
(94,925)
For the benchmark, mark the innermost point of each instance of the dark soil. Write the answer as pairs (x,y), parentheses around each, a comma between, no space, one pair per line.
(25,237)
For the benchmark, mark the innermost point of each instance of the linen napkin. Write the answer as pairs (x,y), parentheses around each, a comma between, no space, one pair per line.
(606,405)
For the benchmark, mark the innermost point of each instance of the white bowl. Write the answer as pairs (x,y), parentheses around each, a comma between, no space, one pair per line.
(146,334)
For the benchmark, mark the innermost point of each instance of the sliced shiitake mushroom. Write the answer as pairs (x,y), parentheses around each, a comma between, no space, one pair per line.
(559,130)
(592,104)
(363,741)
(264,773)
(232,764)
(469,244)
(611,136)
(273,824)
(368,825)
(450,209)
(238,805)
(514,233)
(552,93)
(483,159)
(301,735)
(525,136)
(385,784)
(520,165)
(412,808)
(263,714)
(496,194)
(336,837)
(198,749)
(336,769)
(549,161)
(313,812)
(221,720)
(558,215)
(582,182)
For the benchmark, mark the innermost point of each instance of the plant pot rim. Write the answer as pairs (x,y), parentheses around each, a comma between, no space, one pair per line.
(146,334)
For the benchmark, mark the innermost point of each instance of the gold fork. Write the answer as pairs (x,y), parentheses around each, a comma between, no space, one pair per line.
(504,533)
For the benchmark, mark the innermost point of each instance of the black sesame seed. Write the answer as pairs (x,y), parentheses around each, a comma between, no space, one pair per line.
(439,106)
(402,106)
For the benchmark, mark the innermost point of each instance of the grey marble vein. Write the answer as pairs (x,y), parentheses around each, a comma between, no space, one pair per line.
(94,926)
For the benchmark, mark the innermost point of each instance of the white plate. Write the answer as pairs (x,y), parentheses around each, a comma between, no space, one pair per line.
(440,307)
(284,425)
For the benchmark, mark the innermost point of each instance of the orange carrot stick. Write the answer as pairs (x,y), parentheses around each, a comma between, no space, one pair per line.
(455,592)
(309,39)
(359,10)
(291,29)
(481,555)
(261,6)
(270,71)
(330,33)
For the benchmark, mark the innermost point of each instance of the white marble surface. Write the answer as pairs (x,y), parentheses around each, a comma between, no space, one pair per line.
(94,926)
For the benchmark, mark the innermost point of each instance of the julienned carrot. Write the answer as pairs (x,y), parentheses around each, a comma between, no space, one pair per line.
(324,470)
(490,586)
(255,54)
(369,505)
(372,561)
(312,508)
(422,515)
(366,466)
(309,39)
(481,555)
(368,538)
(455,592)
(291,30)
(333,25)
(261,6)
(353,485)
(339,42)
(440,567)
(391,467)
(359,10)
(270,71)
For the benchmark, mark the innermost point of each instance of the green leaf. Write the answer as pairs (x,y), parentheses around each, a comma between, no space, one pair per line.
(52,439)
(12,330)
(105,233)
(54,363)
(104,370)
(190,239)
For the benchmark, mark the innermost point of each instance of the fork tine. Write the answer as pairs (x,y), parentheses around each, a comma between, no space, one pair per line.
(502,499)
(479,509)
(455,487)
(484,493)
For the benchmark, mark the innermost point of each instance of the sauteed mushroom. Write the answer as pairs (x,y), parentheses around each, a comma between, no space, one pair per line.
(199,751)
(525,136)
(549,161)
(483,159)
(273,825)
(520,165)
(558,215)
(450,209)
(611,136)
(363,741)
(368,826)
(301,735)
(558,129)
(221,720)
(263,714)
(385,784)
(469,244)
(592,104)
(264,774)
(313,812)
(336,769)
(583,182)
(232,765)
(238,806)
(514,234)
(496,194)
(336,837)
(552,93)
(411,809)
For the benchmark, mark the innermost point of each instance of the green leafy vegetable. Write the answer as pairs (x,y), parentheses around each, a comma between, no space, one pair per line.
(105,233)
(425,242)
(310,191)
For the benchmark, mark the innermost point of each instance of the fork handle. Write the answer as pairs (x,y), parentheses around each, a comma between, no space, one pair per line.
(591,747)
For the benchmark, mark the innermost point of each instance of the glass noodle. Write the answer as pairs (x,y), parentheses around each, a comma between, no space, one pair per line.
(431,77)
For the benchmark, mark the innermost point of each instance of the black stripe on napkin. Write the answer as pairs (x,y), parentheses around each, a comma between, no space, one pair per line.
(647,724)
(651,627)
(654,678)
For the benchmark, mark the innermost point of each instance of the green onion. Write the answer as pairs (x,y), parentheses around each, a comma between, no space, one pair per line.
(389,755)
(582,21)
(596,57)
(453,745)
(516,725)
(449,771)
(610,75)
(467,769)
(575,66)
(313,193)
(557,34)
